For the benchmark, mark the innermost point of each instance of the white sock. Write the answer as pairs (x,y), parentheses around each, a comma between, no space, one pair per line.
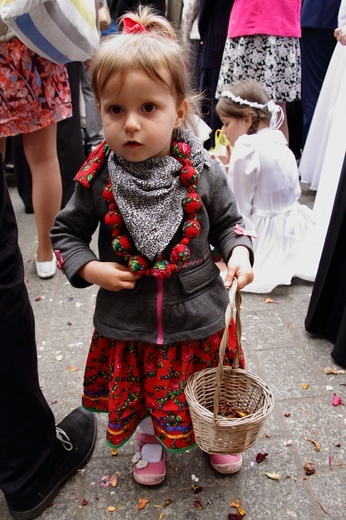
(146,426)
(152,452)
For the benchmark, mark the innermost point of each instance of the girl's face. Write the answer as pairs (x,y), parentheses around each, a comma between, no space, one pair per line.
(234,127)
(139,118)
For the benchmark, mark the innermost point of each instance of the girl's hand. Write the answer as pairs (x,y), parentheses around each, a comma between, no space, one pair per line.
(239,265)
(109,275)
(340,35)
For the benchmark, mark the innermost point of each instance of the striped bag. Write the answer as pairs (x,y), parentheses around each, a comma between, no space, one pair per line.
(59,30)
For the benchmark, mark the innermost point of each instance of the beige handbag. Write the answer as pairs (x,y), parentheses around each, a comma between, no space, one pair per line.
(104,18)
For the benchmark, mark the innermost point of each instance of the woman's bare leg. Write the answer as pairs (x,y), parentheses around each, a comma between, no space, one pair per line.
(40,149)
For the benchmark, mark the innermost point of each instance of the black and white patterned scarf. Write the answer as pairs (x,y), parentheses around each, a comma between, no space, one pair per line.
(149,195)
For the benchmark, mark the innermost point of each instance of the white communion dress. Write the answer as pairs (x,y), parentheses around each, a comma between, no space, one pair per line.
(325,144)
(265,181)
(323,156)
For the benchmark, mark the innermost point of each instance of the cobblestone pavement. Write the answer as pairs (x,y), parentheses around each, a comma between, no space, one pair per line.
(304,425)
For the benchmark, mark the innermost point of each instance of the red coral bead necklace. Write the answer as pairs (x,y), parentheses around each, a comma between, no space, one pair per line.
(180,253)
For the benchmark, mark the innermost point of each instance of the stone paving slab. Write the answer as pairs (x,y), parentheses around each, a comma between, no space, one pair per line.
(277,349)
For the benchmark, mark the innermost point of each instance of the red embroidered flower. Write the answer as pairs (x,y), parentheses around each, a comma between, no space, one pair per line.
(187,354)
(189,176)
(192,202)
(175,384)
(113,220)
(149,366)
(136,388)
(191,229)
(107,193)
(162,269)
(184,148)
(117,366)
(179,253)
(138,263)
(122,245)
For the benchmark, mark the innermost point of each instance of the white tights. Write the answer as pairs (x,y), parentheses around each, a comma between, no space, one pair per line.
(150,452)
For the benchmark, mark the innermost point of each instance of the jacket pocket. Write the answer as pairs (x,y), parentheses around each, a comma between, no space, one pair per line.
(196,279)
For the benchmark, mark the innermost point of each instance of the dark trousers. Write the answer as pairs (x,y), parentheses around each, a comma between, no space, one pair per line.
(317,47)
(69,142)
(208,85)
(294,112)
(326,313)
(27,433)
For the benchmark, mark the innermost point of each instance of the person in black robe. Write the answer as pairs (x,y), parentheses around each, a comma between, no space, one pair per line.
(326,314)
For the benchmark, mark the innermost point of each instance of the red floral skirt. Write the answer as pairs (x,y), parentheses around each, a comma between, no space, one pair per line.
(131,380)
(34,92)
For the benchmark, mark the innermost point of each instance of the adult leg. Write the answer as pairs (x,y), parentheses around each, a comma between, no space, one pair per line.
(36,458)
(40,149)
(70,143)
(22,173)
(27,433)
(317,47)
(71,154)
(92,115)
(295,126)
(2,146)
(208,84)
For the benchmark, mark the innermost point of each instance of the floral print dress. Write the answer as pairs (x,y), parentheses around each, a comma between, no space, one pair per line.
(274,61)
(34,92)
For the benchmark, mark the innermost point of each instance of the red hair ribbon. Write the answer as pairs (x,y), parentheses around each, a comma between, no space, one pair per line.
(131,27)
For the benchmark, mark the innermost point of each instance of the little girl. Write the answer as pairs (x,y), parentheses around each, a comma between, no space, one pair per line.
(265,181)
(160,201)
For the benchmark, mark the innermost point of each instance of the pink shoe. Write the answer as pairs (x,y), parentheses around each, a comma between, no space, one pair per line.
(226,464)
(146,472)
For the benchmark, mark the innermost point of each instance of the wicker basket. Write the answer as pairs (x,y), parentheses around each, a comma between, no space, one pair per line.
(231,391)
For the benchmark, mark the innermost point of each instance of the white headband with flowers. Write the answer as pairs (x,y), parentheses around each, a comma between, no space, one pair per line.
(277,115)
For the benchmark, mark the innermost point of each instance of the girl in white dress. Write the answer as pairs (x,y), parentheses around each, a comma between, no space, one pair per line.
(265,181)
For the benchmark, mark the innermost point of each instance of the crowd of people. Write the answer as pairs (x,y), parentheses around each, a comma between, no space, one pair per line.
(163,202)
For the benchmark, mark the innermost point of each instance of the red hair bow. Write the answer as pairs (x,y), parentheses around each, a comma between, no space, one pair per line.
(131,27)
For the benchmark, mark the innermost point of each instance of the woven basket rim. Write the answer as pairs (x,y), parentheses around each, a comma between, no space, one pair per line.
(224,422)
(250,375)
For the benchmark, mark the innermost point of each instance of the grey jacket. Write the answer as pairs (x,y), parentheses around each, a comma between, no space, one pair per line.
(190,304)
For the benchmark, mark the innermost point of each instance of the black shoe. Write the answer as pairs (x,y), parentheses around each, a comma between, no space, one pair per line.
(76,436)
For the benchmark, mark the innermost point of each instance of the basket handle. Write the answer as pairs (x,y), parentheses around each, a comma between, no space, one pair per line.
(232,311)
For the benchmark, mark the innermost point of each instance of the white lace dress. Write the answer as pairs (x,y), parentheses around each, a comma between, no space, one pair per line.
(265,181)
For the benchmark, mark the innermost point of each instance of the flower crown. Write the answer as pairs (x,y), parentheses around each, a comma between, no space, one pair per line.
(277,115)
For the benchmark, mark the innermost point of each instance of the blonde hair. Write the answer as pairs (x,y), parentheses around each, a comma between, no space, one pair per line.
(251,92)
(151,52)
